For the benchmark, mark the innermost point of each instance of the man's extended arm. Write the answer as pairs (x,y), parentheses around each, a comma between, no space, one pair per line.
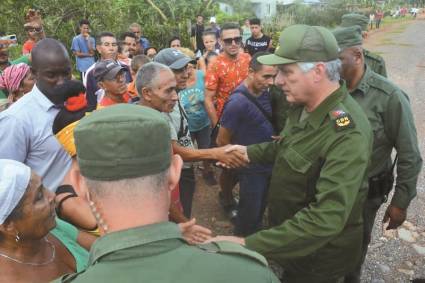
(232,159)
(209,106)
(337,189)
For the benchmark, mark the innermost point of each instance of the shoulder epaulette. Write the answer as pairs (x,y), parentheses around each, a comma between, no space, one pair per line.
(232,249)
(373,56)
(341,120)
(382,83)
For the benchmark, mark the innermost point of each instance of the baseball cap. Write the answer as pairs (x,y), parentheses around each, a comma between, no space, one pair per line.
(303,43)
(123,141)
(173,58)
(106,70)
(348,37)
(353,19)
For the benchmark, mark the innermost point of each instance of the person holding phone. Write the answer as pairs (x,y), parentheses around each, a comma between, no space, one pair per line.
(83,46)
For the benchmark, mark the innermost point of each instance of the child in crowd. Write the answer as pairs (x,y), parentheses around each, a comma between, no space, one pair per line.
(210,42)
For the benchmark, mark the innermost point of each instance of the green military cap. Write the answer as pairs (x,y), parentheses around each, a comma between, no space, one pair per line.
(302,43)
(349,20)
(122,141)
(349,36)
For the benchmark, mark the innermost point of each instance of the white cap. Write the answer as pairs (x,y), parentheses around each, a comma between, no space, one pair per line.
(14,179)
(213,20)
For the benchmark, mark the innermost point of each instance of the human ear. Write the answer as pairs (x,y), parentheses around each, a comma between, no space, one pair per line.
(146,94)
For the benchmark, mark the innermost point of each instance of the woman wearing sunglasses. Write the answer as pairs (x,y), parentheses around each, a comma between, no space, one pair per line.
(34,28)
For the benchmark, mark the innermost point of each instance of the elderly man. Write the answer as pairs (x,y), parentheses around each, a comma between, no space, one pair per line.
(390,116)
(26,127)
(319,182)
(374,61)
(157,84)
(129,189)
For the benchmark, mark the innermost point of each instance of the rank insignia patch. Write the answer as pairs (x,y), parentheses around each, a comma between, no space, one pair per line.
(342,120)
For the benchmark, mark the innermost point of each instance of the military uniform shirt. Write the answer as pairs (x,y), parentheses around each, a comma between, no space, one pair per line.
(375,62)
(390,116)
(158,253)
(317,189)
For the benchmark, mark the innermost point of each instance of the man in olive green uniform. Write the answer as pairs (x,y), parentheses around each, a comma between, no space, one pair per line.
(374,61)
(319,183)
(390,116)
(124,154)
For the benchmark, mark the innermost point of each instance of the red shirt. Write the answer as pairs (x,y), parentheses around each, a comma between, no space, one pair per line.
(107,101)
(225,75)
(27,47)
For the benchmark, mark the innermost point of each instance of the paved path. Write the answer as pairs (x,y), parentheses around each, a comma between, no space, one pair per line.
(391,259)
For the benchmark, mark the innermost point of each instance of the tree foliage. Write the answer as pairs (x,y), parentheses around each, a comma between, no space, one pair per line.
(160,19)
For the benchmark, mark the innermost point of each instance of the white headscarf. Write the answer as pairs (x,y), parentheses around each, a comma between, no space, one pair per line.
(14,179)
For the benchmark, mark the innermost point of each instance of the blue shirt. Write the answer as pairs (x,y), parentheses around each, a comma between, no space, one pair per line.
(80,44)
(192,100)
(144,42)
(246,122)
(26,136)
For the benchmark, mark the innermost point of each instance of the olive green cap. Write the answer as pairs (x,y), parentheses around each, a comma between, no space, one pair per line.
(349,20)
(348,37)
(302,43)
(122,141)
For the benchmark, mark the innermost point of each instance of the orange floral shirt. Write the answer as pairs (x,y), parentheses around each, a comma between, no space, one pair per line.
(225,75)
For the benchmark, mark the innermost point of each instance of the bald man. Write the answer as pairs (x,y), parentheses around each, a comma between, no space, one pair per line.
(26,127)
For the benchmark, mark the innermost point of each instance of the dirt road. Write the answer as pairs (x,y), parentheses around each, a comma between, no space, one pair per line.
(399,257)
(390,259)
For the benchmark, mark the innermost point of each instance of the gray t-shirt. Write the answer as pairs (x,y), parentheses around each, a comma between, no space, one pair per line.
(179,128)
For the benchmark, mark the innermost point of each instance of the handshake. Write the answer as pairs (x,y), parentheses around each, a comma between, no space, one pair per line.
(232,156)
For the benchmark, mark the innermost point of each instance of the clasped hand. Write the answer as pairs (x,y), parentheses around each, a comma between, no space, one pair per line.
(232,156)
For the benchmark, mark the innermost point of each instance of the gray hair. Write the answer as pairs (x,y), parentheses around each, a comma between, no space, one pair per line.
(132,188)
(333,68)
(148,74)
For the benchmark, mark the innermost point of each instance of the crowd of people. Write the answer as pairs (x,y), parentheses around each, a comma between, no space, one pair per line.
(97,174)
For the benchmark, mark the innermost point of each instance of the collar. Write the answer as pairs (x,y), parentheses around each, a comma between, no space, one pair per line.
(134,237)
(363,86)
(315,118)
(41,99)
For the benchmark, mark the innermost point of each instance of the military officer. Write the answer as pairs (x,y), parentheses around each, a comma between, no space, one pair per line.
(124,155)
(319,184)
(373,60)
(390,116)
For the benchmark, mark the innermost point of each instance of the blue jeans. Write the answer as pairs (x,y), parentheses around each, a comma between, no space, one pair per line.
(253,188)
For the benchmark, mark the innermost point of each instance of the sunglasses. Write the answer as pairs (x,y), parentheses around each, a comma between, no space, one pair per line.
(229,41)
(32,29)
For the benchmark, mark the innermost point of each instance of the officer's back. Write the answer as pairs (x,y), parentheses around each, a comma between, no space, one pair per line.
(124,155)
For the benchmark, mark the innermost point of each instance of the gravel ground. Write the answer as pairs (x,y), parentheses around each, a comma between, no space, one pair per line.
(390,259)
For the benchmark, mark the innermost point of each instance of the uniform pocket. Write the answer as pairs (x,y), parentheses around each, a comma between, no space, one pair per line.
(296,161)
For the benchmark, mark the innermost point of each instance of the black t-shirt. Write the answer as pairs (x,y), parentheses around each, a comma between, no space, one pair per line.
(254,45)
(197,31)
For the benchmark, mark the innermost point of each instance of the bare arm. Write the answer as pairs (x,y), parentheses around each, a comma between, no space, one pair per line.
(209,106)
(270,44)
(202,65)
(232,159)
(224,137)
